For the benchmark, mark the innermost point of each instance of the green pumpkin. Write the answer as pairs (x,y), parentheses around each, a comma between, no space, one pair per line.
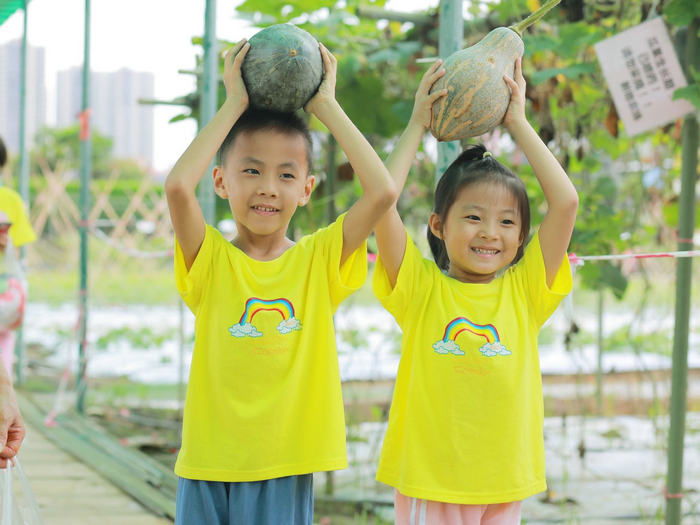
(477,96)
(283,68)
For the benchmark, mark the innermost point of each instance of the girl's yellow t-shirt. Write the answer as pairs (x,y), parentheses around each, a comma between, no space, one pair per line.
(465,424)
(264,397)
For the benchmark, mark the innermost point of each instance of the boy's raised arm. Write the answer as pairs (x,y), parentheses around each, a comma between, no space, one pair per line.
(181,183)
(390,231)
(378,191)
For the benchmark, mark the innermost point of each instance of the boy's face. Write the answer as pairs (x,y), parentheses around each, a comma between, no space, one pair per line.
(264,176)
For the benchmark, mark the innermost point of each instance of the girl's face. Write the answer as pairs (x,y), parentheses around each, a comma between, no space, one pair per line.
(481,231)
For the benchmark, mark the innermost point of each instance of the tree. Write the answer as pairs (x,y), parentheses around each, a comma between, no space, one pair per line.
(59,149)
(570,107)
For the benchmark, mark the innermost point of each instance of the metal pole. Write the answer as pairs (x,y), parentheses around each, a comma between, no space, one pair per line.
(599,369)
(85,171)
(23,177)
(686,225)
(331,172)
(208,98)
(331,216)
(181,360)
(451,36)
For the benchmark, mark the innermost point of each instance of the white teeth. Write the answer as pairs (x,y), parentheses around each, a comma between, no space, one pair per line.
(485,252)
(262,208)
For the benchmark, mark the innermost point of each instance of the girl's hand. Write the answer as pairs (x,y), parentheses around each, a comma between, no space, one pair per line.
(233,79)
(422,108)
(516,108)
(326,91)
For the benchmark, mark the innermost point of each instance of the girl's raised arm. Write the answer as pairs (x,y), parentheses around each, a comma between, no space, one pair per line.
(390,232)
(562,199)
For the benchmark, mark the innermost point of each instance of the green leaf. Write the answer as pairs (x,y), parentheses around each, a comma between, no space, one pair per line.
(540,42)
(612,277)
(671,214)
(606,187)
(681,12)
(577,37)
(691,93)
(570,72)
(178,118)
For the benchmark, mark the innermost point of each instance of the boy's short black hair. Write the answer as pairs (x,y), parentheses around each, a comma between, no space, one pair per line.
(3,153)
(255,119)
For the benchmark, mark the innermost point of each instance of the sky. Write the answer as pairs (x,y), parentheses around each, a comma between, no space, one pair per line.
(142,35)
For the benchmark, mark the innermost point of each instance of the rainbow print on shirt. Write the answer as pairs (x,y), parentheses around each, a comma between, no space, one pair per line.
(254,305)
(448,343)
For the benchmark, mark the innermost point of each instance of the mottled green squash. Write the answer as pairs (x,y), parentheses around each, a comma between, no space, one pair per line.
(477,96)
(283,68)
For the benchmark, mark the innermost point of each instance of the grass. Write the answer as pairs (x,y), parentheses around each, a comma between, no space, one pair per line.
(121,286)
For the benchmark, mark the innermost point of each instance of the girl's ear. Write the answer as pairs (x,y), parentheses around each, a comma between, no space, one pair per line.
(435,225)
(218,176)
(309,185)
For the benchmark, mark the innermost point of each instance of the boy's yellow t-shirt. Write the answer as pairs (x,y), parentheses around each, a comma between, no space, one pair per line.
(11,203)
(465,424)
(264,397)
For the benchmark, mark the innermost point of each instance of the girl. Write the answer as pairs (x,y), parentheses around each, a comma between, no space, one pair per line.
(464,443)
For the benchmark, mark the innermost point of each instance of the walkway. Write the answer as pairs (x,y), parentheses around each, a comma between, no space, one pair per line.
(68,492)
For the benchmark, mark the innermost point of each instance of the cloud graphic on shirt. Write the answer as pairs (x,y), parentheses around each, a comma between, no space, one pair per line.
(492,349)
(244,330)
(287,325)
(447,347)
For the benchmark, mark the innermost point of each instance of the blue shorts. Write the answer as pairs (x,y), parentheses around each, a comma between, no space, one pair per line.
(280,501)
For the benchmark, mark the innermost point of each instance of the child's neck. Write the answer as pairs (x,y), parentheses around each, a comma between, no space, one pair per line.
(262,247)
(471,277)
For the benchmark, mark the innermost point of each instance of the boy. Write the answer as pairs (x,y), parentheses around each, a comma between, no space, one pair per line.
(264,408)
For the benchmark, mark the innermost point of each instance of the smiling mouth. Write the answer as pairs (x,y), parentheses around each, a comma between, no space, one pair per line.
(482,251)
(265,209)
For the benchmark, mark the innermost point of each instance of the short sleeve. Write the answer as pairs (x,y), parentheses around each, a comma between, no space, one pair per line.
(413,274)
(544,299)
(190,284)
(342,280)
(21,230)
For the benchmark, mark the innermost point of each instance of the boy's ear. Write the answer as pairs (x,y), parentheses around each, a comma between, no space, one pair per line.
(218,176)
(435,225)
(309,186)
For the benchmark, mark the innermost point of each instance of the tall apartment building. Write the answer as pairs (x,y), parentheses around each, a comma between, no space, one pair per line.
(10,65)
(115,111)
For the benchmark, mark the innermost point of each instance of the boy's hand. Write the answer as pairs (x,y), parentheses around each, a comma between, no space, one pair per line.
(326,91)
(422,108)
(233,80)
(516,108)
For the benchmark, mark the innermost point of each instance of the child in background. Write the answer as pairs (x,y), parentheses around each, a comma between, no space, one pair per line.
(464,443)
(264,407)
(15,231)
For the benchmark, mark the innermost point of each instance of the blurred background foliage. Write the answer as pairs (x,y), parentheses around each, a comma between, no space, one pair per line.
(628,186)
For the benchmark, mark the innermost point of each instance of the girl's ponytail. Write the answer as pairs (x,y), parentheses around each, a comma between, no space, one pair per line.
(437,246)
